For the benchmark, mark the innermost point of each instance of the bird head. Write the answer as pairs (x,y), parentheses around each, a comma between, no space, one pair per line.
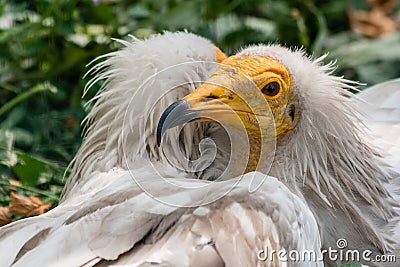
(281,98)
(246,90)
(252,92)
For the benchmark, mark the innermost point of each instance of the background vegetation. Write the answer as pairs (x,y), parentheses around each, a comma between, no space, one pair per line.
(46,45)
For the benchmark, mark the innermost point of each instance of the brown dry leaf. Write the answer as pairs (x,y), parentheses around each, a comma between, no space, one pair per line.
(371,24)
(14,184)
(376,22)
(28,206)
(384,5)
(5,216)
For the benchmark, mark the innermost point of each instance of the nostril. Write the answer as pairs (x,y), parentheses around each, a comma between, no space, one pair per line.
(209,97)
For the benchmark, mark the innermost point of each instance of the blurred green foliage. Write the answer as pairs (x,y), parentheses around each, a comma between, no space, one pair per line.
(46,44)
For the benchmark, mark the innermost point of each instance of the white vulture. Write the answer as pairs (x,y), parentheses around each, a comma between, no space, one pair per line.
(192,158)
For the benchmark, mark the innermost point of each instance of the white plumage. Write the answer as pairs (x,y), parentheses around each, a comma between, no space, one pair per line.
(129,203)
(381,106)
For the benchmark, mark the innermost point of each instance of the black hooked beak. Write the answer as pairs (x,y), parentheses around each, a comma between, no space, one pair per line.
(176,114)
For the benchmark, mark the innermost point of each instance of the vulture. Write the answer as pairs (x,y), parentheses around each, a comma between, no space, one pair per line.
(193,158)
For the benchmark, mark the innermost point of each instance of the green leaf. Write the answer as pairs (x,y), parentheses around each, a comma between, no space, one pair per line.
(366,50)
(102,12)
(322,29)
(23,96)
(14,117)
(185,15)
(266,27)
(29,169)
(139,11)
(14,32)
(366,60)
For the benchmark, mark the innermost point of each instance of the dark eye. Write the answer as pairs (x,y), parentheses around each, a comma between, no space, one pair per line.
(271,89)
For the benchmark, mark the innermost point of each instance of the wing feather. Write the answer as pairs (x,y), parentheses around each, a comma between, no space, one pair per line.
(122,225)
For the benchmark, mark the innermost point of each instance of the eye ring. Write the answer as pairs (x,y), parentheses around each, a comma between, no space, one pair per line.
(271,89)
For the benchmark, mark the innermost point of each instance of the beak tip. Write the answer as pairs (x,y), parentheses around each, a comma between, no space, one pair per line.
(176,114)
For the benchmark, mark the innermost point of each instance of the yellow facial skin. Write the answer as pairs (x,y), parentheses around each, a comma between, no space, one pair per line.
(238,86)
